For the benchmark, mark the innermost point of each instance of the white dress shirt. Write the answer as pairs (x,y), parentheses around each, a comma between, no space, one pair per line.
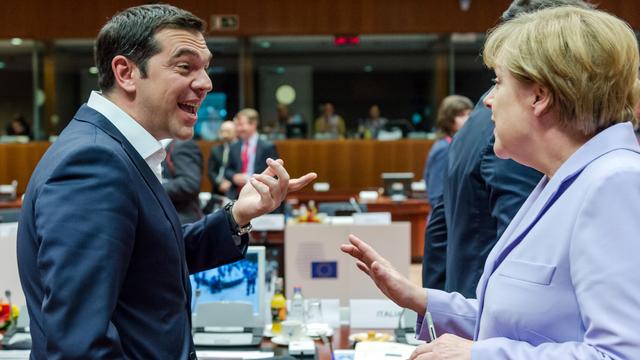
(149,148)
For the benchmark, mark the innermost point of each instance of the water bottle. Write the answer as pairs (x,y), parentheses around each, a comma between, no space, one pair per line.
(297,305)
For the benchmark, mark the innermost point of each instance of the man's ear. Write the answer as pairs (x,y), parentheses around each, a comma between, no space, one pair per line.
(125,73)
(543,100)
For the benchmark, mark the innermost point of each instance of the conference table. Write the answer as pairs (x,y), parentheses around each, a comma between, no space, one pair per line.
(339,340)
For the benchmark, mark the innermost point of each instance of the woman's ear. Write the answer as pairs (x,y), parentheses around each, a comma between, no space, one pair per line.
(125,73)
(542,100)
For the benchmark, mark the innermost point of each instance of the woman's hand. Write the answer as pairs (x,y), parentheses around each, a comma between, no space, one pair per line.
(391,282)
(446,347)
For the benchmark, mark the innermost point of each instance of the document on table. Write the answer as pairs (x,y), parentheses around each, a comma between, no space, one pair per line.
(372,350)
(229,355)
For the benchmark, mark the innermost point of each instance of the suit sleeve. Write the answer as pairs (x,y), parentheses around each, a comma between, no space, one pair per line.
(272,152)
(85,217)
(435,249)
(187,161)
(212,170)
(234,165)
(604,275)
(509,184)
(452,313)
(209,243)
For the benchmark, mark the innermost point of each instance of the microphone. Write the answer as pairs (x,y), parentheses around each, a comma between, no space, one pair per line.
(355,204)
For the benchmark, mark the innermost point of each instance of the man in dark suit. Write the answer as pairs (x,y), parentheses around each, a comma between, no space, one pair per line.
(482,193)
(181,178)
(219,159)
(103,260)
(249,153)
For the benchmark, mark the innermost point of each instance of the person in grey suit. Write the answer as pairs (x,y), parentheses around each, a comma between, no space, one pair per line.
(181,178)
(249,154)
(219,159)
(103,260)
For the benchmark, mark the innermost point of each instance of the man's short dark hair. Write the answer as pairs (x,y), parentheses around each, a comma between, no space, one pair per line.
(519,7)
(131,33)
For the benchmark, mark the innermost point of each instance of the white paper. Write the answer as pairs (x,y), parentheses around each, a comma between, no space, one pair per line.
(372,350)
(228,355)
(372,218)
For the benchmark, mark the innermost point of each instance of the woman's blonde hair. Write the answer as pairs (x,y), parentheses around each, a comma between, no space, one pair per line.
(588,60)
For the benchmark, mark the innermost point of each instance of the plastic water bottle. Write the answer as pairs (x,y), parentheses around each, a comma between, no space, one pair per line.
(297,305)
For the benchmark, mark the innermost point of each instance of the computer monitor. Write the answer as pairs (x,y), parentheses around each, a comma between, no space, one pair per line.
(397,183)
(296,131)
(241,281)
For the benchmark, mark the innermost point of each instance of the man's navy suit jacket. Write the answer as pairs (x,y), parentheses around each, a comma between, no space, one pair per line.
(103,260)
(482,193)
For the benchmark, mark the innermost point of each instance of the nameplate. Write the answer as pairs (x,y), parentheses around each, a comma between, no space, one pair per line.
(321,186)
(372,218)
(268,222)
(374,314)
(368,196)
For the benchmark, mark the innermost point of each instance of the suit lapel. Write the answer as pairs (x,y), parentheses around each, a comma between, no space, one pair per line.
(258,158)
(87,114)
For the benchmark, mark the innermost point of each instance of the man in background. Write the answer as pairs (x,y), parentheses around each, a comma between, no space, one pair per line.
(249,153)
(219,159)
(330,124)
(182,177)
(482,193)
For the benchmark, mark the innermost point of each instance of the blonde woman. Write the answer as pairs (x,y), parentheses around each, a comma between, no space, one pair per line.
(562,282)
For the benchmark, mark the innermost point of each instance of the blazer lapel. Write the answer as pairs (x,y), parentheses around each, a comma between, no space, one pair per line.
(87,114)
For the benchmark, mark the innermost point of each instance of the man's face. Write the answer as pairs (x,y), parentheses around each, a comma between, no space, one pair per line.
(245,128)
(167,100)
(227,131)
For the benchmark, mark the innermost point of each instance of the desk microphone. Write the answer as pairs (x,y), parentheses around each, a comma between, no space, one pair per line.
(355,204)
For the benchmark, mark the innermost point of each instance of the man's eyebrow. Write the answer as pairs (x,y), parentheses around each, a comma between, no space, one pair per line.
(190,52)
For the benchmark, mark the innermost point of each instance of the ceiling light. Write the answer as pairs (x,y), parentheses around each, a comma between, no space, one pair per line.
(93,70)
(16,41)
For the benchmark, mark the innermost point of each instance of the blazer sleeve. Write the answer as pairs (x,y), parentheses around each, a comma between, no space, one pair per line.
(604,275)
(509,184)
(209,243)
(434,261)
(452,313)
(187,162)
(85,216)
(272,152)
(234,166)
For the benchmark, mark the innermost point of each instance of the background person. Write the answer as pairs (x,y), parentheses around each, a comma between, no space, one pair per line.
(452,115)
(182,177)
(249,154)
